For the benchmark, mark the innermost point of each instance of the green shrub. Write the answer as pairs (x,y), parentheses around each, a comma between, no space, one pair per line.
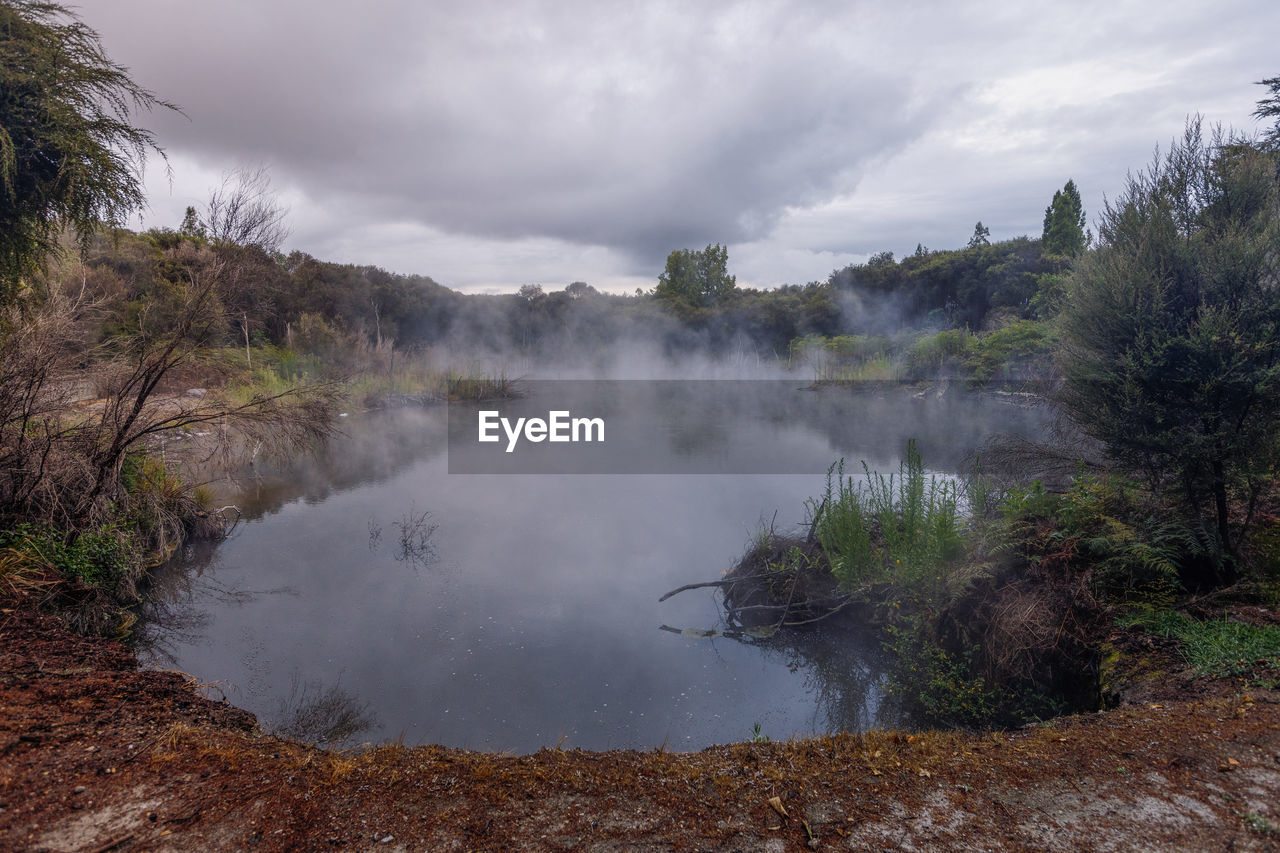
(940,684)
(97,558)
(902,528)
(1009,352)
(1133,555)
(930,354)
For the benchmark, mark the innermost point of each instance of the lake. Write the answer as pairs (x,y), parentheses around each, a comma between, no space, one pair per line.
(370,595)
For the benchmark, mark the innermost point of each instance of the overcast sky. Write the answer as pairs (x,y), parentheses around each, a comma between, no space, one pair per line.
(494,144)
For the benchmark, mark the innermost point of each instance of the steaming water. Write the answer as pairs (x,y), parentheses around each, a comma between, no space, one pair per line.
(531,618)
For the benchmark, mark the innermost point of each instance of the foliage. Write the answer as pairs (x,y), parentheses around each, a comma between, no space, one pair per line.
(1132,554)
(62,464)
(98,557)
(953,289)
(1216,647)
(935,681)
(931,356)
(1021,349)
(981,236)
(847,358)
(1269,108)
(696,278)
(1064,222)
(901,528)
(69,154)
(1172,326)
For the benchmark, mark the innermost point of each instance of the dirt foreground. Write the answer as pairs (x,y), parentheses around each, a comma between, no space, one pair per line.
(96,756)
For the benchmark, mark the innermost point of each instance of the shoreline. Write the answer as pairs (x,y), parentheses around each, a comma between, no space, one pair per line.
(96,754)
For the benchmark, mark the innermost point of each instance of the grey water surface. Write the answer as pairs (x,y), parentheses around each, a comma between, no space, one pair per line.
(369,595)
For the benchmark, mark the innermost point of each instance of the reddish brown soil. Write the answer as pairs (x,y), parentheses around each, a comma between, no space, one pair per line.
(96,756)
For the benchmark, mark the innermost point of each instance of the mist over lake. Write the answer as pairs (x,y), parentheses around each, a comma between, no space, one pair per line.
(370,595)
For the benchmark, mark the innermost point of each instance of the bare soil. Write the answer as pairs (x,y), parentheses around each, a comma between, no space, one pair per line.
(96,755)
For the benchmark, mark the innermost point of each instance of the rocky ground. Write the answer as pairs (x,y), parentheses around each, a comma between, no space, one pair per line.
(96,756)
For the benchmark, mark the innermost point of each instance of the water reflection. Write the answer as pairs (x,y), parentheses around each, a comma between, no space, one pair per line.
(369,591)
(321,715)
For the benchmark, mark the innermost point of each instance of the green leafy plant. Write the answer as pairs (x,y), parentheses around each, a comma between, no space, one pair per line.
(1215,647)
(96,558)
(903,529)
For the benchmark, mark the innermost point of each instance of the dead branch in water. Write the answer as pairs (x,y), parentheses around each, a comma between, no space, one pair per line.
(781,582)
(690,586)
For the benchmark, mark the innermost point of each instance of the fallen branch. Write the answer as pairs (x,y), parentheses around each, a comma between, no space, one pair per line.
(689,586)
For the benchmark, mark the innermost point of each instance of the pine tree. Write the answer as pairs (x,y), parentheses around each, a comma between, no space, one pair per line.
(1269,108)
(981,236)
(1064,222)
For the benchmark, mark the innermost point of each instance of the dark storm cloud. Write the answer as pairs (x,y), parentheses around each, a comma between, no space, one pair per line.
(494,143)
(639,129)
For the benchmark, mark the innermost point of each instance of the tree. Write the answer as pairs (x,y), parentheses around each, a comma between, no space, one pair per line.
(191,226)
(697,278)
(1172,327)
(244,211)
(579,289)
(1269,108)
(1064,222)
(69,153)
(981,236)
(62,464)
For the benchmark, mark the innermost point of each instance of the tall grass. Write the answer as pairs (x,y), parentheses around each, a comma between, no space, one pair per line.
(478,387)
(903,528)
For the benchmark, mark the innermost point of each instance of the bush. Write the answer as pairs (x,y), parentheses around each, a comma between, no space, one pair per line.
(936,355)
(1018,350)
(1132,554)
(902,528)
(99,558)
(935,682)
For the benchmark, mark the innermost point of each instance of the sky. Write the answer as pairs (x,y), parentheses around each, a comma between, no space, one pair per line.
(495,143)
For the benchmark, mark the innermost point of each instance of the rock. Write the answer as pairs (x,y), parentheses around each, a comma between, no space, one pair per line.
(196,392)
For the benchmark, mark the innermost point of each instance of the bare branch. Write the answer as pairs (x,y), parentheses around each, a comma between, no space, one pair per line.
(244,211)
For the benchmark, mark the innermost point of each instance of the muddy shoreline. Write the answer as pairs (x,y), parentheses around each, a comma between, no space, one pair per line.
(96,755)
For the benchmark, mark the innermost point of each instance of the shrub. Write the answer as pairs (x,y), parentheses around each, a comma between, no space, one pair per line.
(901,528)
(98,558)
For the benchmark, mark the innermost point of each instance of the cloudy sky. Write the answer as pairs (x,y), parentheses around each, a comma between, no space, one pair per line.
(494,143)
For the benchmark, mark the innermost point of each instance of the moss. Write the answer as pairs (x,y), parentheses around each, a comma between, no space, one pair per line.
(1109,677)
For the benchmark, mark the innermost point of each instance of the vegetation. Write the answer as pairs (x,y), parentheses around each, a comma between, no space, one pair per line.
(1218,647)
(70,155)
(696,278)
(81,503)
(1172,328)
(1166,333)
(1064,221)
(901,528)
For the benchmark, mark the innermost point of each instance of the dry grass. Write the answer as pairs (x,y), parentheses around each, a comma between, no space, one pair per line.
(25,574)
